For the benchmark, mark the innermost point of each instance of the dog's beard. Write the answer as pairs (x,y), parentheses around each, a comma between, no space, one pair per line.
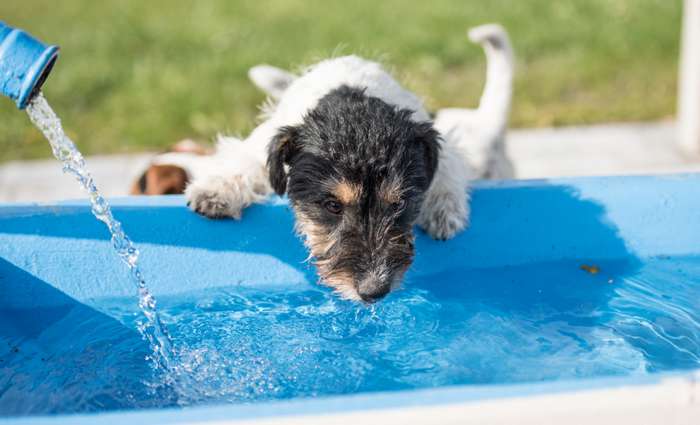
(319,241)
(334,266)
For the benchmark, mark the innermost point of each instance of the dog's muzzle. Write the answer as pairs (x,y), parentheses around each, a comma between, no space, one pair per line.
(372,289)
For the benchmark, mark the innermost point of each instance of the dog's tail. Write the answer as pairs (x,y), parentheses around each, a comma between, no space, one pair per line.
(494,106)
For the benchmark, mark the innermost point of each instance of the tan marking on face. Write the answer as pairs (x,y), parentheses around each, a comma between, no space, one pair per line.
(347,192)
(390,191)
(319,242)
(340,280)
(316,238)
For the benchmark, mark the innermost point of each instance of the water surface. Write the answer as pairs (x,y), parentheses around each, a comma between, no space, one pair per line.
(540,322)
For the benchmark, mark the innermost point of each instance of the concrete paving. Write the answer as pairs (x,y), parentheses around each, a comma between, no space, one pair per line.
(43,180)
(615,149)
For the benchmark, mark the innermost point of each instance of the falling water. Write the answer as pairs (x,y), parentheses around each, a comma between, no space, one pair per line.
(73,162)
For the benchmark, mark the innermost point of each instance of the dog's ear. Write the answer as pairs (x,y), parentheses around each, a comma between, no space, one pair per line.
(272,81)
(429,140)
(279,152)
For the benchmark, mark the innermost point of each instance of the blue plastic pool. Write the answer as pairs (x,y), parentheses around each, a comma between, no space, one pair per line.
(565,283)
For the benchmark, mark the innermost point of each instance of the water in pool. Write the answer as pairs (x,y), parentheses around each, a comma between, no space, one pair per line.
(512,324)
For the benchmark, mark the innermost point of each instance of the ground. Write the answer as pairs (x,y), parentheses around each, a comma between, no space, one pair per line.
(137,75)
(619,149)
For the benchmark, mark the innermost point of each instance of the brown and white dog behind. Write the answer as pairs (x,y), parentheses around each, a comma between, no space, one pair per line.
(170,172)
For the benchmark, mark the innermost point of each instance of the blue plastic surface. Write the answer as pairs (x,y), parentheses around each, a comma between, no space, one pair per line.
(24,64)
(50,256)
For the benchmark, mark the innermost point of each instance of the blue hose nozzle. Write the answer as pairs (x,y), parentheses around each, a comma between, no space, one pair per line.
(25,62)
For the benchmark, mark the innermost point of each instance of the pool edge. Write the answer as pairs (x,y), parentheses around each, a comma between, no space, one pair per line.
(674,393)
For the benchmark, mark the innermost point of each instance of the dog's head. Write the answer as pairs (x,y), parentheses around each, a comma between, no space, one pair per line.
(356,171)
(167,174)
(161,180)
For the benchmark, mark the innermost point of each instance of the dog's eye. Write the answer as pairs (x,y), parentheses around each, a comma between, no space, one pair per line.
(333,206)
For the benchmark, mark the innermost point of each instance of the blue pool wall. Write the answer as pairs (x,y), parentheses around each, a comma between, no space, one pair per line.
(512,223)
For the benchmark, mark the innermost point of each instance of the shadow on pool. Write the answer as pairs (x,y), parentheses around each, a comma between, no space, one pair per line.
(524,249)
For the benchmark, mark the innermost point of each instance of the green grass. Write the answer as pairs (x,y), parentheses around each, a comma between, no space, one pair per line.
(138,75)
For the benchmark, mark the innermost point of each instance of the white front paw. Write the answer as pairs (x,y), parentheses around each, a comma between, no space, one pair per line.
(443,216)
(217,197)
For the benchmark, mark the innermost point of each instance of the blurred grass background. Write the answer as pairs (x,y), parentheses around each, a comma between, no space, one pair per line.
(139,75)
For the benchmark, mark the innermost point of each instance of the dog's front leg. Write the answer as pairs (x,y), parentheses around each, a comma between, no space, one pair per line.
(445,209)
(235,178)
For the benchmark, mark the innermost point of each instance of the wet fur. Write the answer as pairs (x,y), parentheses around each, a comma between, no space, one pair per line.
(346,131)
(352,148)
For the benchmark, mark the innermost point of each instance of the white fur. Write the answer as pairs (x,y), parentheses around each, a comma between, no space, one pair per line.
(237,177)
(228,181)
(272,81)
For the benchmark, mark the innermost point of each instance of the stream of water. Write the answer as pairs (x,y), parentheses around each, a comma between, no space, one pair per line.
(63,148)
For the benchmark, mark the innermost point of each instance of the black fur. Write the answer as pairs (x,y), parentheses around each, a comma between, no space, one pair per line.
(356,138)
(280,152)
(142,183)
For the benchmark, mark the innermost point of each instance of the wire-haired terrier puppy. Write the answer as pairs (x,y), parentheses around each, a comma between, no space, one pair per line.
(362,163)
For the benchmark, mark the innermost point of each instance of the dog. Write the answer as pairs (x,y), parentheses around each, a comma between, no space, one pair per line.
(362,162)
(170,172)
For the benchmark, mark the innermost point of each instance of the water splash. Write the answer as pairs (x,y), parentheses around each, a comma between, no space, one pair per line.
(45,119)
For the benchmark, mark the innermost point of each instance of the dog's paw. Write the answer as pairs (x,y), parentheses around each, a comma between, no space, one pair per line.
(218,197)
(443,217)
(210,198)
(443,226)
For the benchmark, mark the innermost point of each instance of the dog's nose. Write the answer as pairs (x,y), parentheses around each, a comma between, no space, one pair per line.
(372,291)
